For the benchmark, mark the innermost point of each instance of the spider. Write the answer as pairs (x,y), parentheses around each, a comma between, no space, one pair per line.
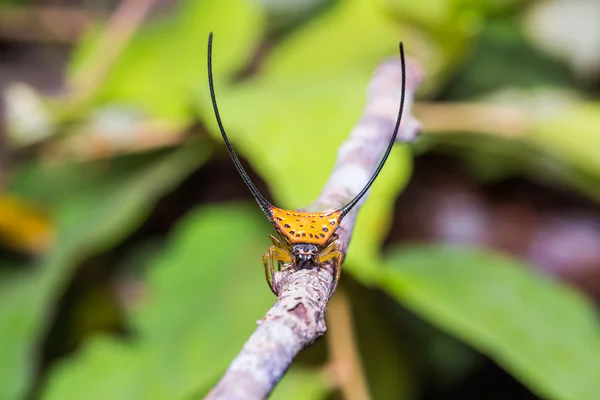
(306,238)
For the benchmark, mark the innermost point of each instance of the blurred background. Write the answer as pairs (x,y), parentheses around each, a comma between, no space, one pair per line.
(130,249)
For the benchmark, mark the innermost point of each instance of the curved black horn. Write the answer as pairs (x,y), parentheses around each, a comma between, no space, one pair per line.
(346,209)
(262,202)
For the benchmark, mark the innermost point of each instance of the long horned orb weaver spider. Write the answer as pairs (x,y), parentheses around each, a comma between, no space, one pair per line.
(307,238)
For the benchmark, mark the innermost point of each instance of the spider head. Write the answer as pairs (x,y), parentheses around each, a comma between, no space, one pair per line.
(304,253)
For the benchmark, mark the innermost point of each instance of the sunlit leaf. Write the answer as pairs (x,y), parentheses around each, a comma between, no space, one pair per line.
(545,334)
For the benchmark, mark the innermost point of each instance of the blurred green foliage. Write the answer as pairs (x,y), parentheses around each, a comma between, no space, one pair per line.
(504,310)
(286,115)
(94,208)
(183,340)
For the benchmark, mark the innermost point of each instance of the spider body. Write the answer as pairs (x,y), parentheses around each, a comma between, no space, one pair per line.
(305,227)
(304,252)
(308,239)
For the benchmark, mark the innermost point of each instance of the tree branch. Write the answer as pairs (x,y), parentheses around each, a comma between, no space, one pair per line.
(298,317)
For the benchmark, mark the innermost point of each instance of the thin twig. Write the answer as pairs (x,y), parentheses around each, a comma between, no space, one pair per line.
(345,361)
(499,120)
(121,26)
(44,24)
(297,318)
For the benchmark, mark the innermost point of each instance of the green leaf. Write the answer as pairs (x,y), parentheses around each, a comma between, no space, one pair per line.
(206,292)
(90,216)
(164,66)
(542,332)
(98,370)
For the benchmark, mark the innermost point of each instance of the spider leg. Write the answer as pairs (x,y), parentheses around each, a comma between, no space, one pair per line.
(278,243)
(281,245)
(266,259)
(329,246)
(333,252)
(274,254)
(338,271)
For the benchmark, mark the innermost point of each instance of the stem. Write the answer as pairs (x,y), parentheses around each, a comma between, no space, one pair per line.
(116,36)
(345,357)
(503,121)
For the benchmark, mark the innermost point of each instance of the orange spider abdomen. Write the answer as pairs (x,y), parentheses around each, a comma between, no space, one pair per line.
(306,227)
